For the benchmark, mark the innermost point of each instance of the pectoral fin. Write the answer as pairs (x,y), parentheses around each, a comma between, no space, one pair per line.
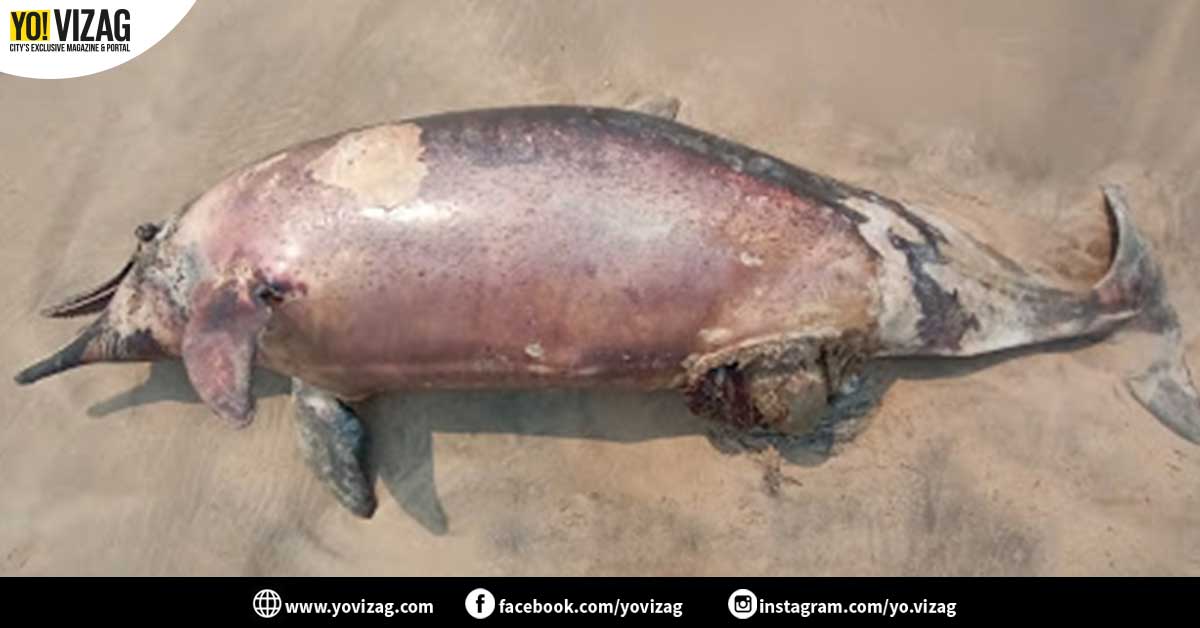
(334,444)
(219,346)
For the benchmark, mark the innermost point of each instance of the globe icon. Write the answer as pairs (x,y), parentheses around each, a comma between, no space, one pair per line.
(267,603)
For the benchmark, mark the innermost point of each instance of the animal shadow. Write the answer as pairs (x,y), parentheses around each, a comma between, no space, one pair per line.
(402,425)
(168,382)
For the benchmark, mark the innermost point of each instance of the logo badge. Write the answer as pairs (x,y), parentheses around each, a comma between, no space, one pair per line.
(480,603)
(267,603)
(54,39)
(743,603)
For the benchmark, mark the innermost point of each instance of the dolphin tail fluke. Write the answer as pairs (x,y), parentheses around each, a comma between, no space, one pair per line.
(1134,285)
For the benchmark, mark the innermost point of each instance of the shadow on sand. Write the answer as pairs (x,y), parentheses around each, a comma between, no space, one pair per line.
(402,425)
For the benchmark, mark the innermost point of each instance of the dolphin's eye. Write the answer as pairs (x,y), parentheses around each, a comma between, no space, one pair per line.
(269,294)
(145,232)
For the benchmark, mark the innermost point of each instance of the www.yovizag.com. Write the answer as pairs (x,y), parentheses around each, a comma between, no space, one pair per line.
(267,603)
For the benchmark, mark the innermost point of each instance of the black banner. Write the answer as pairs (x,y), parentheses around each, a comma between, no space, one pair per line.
(738,601)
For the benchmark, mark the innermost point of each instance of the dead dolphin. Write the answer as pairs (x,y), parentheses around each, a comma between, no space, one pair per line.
(568,246)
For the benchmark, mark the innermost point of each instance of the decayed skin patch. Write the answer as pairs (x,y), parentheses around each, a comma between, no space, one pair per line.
(921,308)
(898,314)
(943,292)
(756,383)
(381,165)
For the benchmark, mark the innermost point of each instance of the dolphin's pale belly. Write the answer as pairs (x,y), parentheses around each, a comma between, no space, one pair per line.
(577,255)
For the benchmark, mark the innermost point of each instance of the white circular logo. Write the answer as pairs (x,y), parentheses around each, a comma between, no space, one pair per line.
(57,39)
(480,603)
(267,603)
(743,603)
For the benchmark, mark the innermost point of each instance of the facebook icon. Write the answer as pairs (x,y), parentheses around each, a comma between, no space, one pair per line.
(480,603)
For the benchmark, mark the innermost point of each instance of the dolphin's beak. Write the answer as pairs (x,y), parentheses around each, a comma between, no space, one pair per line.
(88,347)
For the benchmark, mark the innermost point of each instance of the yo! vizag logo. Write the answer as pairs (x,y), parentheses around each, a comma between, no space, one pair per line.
(74,30)
(68,38)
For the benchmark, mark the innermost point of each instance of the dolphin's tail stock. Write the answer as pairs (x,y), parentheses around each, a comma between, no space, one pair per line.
(968,299)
